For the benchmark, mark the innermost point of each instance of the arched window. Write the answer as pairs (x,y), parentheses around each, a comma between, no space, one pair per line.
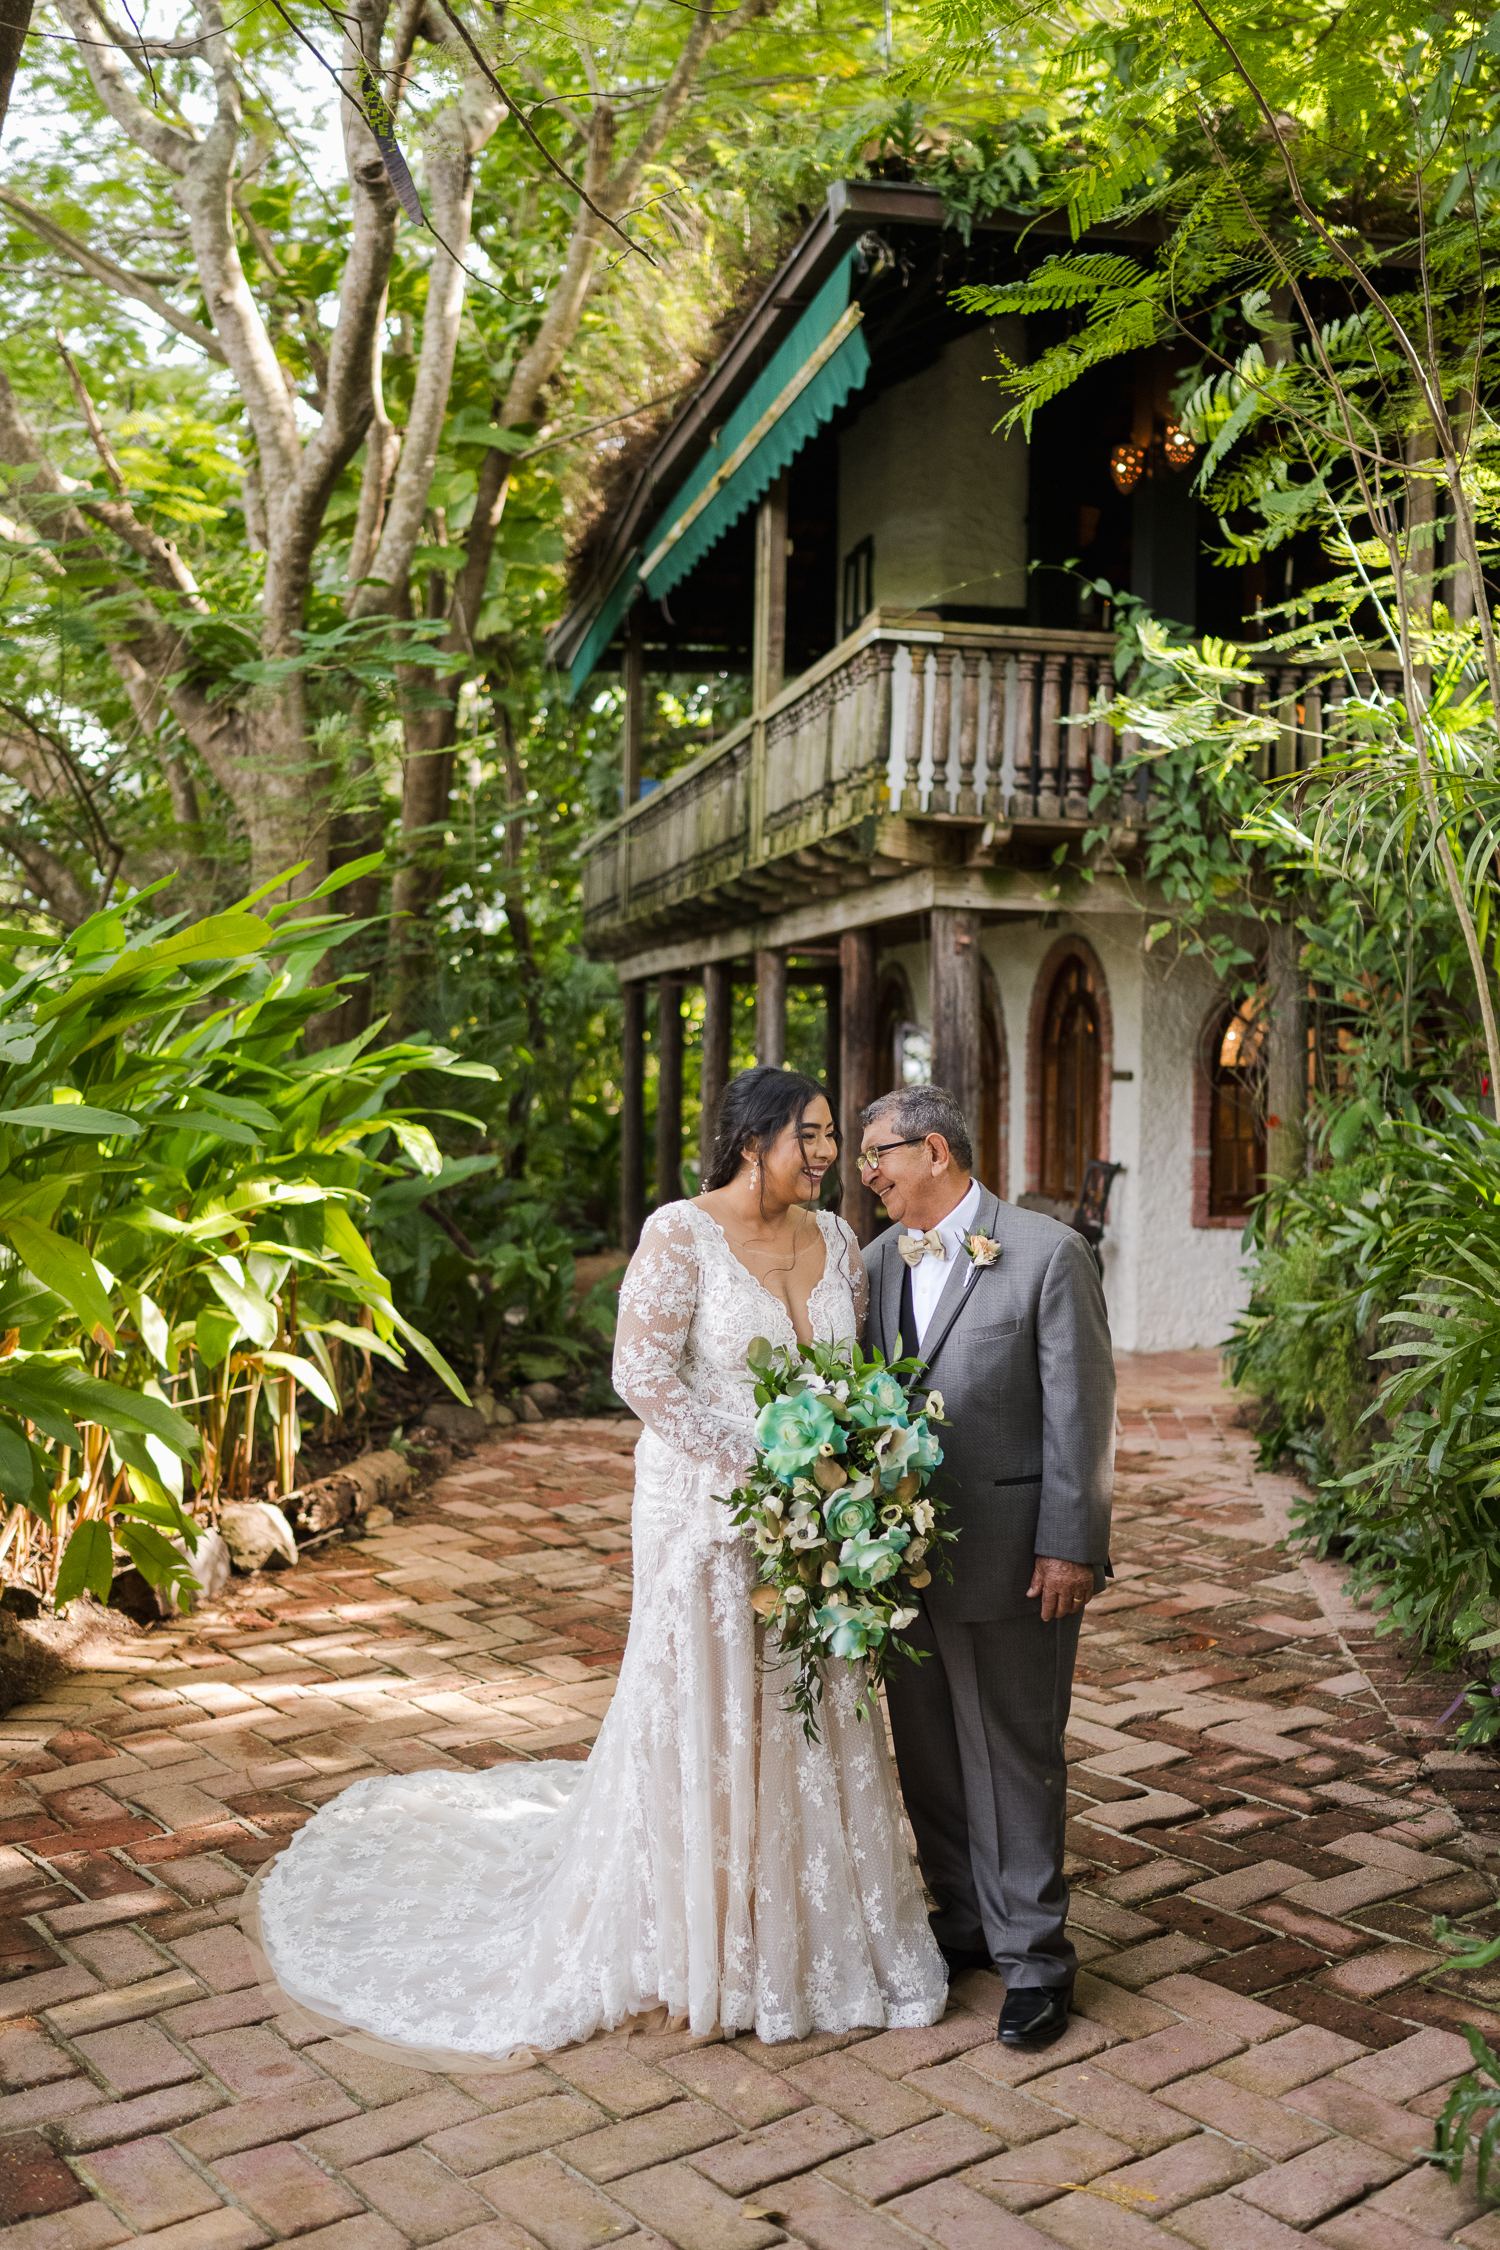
(905,1050)
(1237,1110)
(1071,1059)
(991,1157)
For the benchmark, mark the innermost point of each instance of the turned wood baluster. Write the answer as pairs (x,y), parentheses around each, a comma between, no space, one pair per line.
(916,698)
(1104,733)
(1312,727)
(1048,802)
(968,736)
(942,726)
(1024,804)
(1286,717)
(1076,805)
(880,763)
(994,740)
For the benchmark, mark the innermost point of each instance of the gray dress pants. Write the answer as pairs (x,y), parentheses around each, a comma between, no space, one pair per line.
(978,1731)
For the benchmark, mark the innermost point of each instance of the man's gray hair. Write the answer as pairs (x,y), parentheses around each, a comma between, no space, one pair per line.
(916,1111)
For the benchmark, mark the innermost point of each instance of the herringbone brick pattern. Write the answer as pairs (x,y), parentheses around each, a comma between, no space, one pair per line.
(1263,1828)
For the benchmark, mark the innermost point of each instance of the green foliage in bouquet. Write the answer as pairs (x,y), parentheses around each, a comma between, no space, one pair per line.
(837,1509)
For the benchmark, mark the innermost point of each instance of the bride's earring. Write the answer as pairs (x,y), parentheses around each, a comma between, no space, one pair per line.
(755,1174)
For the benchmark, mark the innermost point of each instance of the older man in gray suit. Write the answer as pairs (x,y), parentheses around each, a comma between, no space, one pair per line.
(1006,1311)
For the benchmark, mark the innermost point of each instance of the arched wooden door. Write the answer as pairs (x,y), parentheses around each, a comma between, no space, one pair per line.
(1072,1053)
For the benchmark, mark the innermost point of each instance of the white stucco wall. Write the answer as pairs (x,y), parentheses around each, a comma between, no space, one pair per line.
(944,500)
(1170,1286)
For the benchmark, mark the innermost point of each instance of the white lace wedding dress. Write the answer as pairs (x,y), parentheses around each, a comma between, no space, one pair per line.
(707,1859)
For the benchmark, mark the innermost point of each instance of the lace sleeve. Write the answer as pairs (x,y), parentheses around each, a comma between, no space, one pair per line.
(657,1301)
(859,1280)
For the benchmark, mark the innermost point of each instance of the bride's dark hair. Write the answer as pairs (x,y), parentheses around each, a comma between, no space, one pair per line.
(758,1106)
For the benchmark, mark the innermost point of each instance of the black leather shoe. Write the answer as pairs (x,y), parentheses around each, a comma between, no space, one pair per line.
(1035,2015)
(962,1957)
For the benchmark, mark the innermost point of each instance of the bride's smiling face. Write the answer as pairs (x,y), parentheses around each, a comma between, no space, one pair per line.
(792,1167)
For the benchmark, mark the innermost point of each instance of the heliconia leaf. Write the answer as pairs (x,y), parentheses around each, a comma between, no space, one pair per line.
(71,1117)
(88,1563)
(307,1374)
(256,1317)
(66,1268)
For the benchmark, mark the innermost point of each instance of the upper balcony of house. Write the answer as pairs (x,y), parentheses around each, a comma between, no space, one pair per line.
(913,608)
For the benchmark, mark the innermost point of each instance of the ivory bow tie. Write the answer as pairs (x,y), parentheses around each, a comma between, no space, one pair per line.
(915,1247)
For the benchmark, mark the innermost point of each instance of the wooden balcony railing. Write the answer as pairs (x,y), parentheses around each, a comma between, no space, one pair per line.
(954,724)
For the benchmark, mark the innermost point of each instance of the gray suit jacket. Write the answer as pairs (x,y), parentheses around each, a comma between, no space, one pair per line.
(1022,1358)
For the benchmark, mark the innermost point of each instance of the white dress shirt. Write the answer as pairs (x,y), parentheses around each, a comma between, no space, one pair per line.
(929,1277)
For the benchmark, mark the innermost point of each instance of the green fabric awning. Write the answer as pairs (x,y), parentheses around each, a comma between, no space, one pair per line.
(602,631)
(802,386)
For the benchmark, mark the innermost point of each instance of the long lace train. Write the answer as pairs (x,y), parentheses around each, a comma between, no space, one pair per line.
(707,1858)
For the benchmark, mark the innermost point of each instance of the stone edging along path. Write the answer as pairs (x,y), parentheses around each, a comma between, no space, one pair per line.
(1263,1824)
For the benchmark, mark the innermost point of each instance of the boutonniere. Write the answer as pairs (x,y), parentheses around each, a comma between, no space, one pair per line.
(981,1250)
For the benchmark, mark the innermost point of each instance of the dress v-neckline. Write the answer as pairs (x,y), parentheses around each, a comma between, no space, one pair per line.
(755,1281)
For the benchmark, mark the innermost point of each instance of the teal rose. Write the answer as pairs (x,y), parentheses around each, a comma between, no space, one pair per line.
(849,1633)
(910,1447)
(881,1400)
(867,1563)
(848,1513)
(792,1432)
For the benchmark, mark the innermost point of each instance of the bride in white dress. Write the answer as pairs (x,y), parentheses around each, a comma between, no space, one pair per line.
(707,1860)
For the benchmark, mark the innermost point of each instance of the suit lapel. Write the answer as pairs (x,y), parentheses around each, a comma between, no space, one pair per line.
(958,1289)
(892,1268)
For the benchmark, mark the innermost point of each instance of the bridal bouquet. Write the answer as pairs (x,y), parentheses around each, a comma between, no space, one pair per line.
(836,1508)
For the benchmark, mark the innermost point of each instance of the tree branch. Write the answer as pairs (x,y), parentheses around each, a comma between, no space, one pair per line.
(99,268)
(450,185)
(166,144)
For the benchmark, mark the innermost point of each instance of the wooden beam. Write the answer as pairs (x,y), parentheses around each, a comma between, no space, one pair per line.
(770,1007)
(633,681)
(668,1091)
(664,949)
(859,1067)
(632,1114)
(718,1007)
(955,1007)
(768,652)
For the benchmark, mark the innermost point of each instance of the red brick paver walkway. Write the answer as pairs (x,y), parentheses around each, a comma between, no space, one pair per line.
(1263,1827)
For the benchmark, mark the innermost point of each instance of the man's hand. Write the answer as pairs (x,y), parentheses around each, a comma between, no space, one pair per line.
(1065,1587)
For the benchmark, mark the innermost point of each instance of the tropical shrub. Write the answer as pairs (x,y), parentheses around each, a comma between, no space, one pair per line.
(183,1188)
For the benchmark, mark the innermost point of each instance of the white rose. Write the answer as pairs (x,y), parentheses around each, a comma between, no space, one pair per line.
(901,1618)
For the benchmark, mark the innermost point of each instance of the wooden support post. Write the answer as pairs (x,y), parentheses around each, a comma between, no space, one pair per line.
(770,1009)
(955,1007)
(1286,1058)
(668,1091)
(633,681)
(768,652)
(859,1067)
(632,1114)
(832,1037)
(718,1003)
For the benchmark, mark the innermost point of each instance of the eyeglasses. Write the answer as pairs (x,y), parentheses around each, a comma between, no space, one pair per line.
(870,1157)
